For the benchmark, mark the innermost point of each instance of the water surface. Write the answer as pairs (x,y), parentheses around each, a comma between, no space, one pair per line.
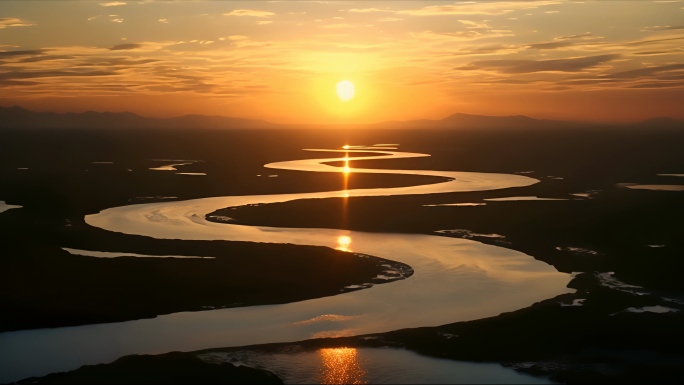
(454,280)
(373,366)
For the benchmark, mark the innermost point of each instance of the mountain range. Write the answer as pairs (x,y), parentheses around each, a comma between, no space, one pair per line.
(18,117)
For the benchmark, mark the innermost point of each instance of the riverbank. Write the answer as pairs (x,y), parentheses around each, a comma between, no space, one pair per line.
(62,289)
(586,337)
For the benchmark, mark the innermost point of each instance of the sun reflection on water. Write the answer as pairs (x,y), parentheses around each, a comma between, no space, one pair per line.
(341,366)
(346,172)
(343,243)
(346,169)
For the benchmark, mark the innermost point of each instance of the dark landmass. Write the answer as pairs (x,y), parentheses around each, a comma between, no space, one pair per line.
(169,368)
(611,230)
(597,342)
(594,343)
(635,233)
(18,117)
(48,287)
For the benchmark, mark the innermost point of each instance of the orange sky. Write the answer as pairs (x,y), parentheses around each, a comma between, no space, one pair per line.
(280,61)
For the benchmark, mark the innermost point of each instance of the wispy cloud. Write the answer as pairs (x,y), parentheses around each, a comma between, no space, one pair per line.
(648,71)
(13,22)
(459,35)
(31,52)
(662,28)
(489,49)
(582,39)
(249,12)
(529,66)
(369,10)
(125,46)
(475,8)
(339,25)
(113,4)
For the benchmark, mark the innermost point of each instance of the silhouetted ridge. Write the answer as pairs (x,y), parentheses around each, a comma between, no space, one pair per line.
(484,120)
(18,117)
(661,122)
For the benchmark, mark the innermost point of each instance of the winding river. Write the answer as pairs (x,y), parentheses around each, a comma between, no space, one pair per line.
(454,280)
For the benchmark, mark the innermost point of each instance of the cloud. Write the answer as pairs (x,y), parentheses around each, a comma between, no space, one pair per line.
(586,35)
(475,8)
(566,41)
(368,10)
(649,42)
(165,21)
(264,22)
(491,49)
(648,71)
(529,66)
(11,75)
(652,53)
(249,12)
(32,52)
(551,45)
(112,4)
(338,26)
(390,19)
(474,24)
(655,85)
(13,22)
(125,47)
(662,28)
(45,58)
(459,35)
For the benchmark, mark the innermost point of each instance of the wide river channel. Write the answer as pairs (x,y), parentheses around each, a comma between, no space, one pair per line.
(454,280)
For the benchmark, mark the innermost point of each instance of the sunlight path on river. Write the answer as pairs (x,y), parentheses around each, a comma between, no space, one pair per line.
(455,279)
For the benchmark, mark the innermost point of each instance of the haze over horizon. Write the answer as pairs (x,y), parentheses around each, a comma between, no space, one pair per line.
(280,61)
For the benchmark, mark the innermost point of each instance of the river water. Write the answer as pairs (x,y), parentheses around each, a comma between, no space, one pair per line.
(454,280)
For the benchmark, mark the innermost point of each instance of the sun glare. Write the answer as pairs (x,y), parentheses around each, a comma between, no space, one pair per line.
(345,90)
(343,243)
(341,366)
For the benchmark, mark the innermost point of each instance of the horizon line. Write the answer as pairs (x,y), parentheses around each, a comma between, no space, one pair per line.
(579,121)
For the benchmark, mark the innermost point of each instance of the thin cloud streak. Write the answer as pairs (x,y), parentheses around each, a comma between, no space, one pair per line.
(112,4)
(249,12)
(6,22)
(529,66)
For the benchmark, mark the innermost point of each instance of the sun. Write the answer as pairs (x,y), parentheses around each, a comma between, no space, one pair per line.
(345,90)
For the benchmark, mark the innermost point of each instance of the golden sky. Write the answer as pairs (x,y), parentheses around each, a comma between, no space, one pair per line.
(281,60)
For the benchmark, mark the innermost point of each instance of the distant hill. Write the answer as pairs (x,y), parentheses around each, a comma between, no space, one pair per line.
(661,122)
(467,120)
(18,117)
(460,120)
